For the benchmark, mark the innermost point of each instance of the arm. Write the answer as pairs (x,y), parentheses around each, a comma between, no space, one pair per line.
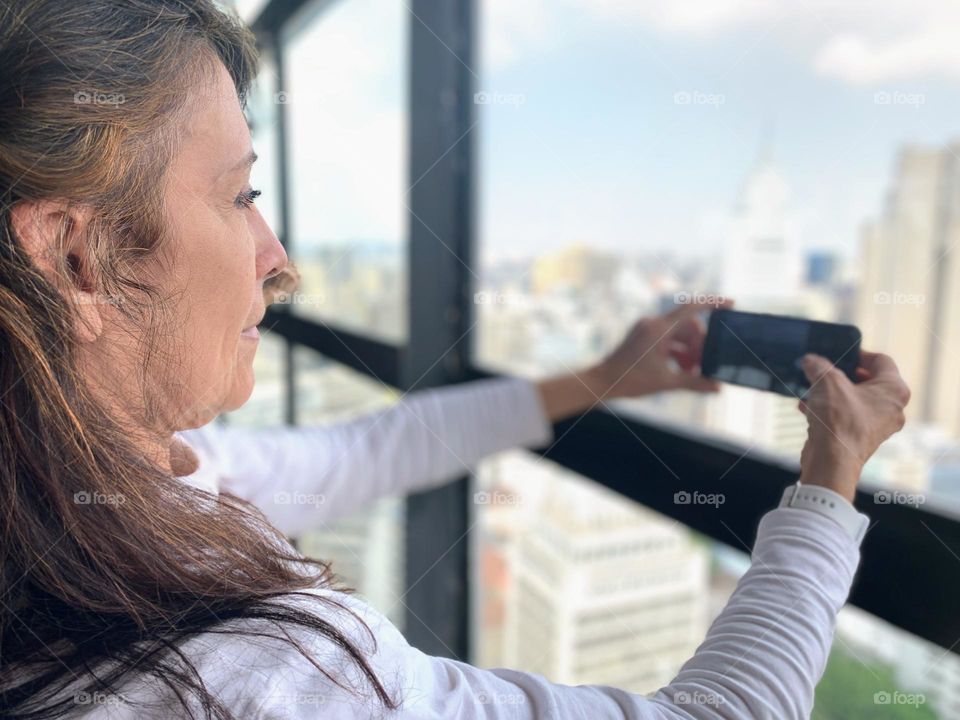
(761,658)
(301,476)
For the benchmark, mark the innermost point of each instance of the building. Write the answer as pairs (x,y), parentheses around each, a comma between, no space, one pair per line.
(763,269)
(601,590)
(909,301)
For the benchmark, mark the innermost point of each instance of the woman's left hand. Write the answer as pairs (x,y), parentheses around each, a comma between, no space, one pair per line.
(659,353)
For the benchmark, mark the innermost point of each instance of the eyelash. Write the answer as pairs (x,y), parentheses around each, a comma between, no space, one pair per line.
(245,199)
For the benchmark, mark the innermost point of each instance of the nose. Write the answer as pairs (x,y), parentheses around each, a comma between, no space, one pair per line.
(271,255)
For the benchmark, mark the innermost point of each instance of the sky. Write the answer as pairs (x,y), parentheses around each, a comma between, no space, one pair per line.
(630,124)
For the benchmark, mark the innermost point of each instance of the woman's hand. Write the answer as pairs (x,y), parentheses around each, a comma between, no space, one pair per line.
(847,421)
(658,353)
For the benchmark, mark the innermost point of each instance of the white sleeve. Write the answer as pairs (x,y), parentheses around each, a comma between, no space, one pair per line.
(761,659)
(302,475)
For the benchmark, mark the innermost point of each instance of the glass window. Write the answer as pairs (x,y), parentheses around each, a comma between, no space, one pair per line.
(579,584)
(263,119)
(366,549)
(799,162)
(249,10)
(583,586)
(795,158)
(345,97)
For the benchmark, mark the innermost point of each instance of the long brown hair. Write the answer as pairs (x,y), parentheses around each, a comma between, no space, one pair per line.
(108,563)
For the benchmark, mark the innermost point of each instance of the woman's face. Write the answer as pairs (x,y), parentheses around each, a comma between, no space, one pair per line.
(221,253)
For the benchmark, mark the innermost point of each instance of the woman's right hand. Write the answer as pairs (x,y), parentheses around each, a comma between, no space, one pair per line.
(848,421)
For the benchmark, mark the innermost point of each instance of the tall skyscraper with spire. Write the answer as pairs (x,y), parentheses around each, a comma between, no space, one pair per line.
(762,268)
(762,258)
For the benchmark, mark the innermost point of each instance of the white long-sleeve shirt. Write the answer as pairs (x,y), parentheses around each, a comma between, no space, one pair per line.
(761,658)
(301,476)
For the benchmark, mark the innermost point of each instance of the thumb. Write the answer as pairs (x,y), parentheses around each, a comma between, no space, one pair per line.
(815,367)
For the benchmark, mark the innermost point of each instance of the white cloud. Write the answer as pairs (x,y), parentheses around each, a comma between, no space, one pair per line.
(856,41)
(684,16)
(858,61)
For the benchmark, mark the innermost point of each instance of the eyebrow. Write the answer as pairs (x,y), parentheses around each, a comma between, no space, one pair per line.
(246,161)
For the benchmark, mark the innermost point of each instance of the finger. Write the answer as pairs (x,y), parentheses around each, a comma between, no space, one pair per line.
(285,281)
(816,367)
(685,357)
(690,330)
(879,365)
(692,308)
(688,338)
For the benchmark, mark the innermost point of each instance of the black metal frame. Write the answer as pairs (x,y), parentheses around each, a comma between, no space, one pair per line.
(907,576)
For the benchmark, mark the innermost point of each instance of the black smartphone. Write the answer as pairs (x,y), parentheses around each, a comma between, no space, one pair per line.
(764,351)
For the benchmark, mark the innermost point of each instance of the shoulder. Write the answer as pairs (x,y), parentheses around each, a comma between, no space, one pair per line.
(262,668)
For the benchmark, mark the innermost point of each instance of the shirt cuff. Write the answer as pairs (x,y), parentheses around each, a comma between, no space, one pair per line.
(529,415)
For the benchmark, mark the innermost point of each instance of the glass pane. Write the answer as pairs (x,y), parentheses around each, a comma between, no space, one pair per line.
(249,10)
(262,117)
(367,548)
(799,162)
(267,404)
(584,586)
(579,584)
(345,94)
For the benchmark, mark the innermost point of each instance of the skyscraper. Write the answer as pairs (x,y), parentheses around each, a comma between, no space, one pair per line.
(763,270)
(909,302)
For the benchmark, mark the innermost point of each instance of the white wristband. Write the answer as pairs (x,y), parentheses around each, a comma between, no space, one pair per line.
(829,503)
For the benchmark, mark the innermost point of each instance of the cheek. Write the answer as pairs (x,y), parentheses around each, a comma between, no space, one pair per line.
(220,293)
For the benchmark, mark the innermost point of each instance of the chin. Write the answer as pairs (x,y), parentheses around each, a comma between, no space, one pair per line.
(239,393)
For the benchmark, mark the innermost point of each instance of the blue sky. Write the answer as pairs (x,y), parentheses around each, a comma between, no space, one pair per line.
(598,151)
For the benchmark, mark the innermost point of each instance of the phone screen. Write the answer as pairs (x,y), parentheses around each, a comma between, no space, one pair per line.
(764,351)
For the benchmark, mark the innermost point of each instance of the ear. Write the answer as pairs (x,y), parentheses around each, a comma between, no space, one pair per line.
(52,233)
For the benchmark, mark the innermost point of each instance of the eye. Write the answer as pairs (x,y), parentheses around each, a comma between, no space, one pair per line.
(245,199)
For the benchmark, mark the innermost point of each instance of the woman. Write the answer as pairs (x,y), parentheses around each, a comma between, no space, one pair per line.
(132,266)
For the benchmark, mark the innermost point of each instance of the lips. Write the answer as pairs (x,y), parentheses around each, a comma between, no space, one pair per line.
(251,332)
